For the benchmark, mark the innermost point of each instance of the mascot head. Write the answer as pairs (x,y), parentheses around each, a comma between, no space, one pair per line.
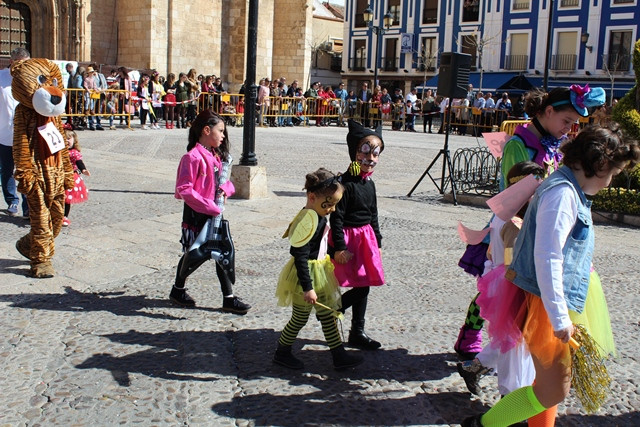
(37,84)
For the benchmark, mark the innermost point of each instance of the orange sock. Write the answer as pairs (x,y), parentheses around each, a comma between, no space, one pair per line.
(546,418)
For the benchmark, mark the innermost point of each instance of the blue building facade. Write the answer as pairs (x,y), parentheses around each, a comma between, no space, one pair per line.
(591,41)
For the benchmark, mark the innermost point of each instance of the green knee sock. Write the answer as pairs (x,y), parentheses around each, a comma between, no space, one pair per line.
(513,408)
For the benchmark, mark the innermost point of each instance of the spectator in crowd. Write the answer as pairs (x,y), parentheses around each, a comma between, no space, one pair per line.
(503,107)
(124,107)
(489,111)
(7,111)
(156,89)
(429,107)
(101,82)
(194,84)
(169,100)
(92,95)
(415,105)
(182,98)
(397,94)
(376,116)
(385,104)
(518,108)
(285,88)
(291,91)
(263,100)
(352,102)
(471,94)
(444,105)
(341,94)
(364,98)
(76,96)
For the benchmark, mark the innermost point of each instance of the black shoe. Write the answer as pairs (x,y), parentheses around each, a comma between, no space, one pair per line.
(92,128)
(358,339)
(342,359)
(284,358)
(471,372)
(99,127)
(181,297)
(472,421)
(234,305)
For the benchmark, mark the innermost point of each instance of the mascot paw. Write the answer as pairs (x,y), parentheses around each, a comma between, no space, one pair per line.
(42,270)
(23,245)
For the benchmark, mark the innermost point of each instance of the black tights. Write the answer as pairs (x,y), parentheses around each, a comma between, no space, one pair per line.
(356,298)
(225,283)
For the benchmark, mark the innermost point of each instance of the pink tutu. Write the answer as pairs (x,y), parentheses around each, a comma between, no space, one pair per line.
(365,268)
(501,303)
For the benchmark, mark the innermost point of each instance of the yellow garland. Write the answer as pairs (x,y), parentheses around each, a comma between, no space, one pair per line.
(590,378)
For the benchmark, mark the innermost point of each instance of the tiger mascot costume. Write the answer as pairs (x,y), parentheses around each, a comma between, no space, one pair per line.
(43,168)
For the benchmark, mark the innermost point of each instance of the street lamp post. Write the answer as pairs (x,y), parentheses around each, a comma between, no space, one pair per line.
(378,30)
(545,78)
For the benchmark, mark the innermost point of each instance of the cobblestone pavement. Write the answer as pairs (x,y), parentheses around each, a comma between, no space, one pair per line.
(100,344)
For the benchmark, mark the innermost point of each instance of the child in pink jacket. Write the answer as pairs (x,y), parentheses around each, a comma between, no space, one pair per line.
(203,184)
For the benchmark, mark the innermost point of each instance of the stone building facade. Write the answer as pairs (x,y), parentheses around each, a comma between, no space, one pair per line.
(172,35)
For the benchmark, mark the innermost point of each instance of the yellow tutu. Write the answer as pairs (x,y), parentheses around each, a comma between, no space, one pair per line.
(595,317)
(324,282)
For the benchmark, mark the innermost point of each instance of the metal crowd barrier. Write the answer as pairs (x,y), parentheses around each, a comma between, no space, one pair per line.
(297,110)
(82,103)
(476,170)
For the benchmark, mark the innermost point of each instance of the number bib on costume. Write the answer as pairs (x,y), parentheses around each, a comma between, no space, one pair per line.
(52,135)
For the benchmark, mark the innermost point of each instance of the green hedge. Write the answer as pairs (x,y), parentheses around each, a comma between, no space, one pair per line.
(617,200)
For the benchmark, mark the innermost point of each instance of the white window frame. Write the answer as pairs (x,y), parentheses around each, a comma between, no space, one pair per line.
(437,23)
(607,41)
(578,6)
(480,8)
(527,10)
(529,34)
(630,4)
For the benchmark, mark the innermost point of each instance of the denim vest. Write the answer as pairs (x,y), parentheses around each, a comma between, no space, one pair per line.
(577,251)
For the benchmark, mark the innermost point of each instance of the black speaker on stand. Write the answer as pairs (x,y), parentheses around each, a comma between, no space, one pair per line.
(453,81)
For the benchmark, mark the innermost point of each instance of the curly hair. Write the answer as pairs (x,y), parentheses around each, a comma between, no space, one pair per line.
(597,148)
(322,182)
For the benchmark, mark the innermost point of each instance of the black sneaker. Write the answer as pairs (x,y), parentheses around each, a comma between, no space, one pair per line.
(471,371)
(234,305)
(181,297)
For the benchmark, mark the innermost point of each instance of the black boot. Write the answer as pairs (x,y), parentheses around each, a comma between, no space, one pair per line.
(181,297)
(342,359)
(358,339)
(284,357)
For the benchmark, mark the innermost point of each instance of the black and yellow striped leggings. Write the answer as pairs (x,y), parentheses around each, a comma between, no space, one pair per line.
(299,318)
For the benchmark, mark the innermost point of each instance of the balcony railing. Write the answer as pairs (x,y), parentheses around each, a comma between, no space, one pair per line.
(358,64)
(520,5)
(564,62)
(336,63)
(390,64)
(617,62)
(516,62)
(569,3)
(429,64)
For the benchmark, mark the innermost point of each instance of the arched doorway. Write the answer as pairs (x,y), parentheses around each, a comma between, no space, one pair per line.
(15,27)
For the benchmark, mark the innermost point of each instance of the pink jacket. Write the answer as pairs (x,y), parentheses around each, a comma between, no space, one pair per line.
(196,181)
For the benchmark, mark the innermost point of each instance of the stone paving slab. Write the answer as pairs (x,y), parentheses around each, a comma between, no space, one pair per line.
(100,343)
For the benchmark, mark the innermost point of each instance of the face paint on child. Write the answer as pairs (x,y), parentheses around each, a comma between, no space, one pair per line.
(368,153)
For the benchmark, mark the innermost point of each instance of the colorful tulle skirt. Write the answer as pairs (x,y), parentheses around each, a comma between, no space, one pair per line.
(79,192)
(365,268)
(324,282)
(514,315)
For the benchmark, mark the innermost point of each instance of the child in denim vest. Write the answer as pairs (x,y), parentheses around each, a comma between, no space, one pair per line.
(553,269)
